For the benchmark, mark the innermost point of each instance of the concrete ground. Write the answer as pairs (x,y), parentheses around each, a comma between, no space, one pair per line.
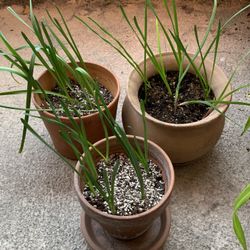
(38,205)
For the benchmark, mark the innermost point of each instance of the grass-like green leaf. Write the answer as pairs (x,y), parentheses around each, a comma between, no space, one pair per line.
(28,100)
(113,177)
(247,126)
(240,201)
(239,231)
(12,11)
(145,129)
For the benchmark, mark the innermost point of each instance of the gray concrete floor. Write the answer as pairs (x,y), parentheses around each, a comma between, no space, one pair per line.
(38,206)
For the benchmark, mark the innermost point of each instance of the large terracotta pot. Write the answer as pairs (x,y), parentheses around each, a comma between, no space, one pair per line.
(92,123)
(132,226)
(182,142)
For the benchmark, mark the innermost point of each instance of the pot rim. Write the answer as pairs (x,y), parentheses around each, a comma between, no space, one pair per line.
(165,197)
(64,118)
(213,115)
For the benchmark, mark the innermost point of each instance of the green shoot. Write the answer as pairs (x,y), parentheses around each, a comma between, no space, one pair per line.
(142,105)
(240,201)
(164,78)
(247,126)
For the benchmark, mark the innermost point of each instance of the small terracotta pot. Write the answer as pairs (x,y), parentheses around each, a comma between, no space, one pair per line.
(182,142)
(132,226)
(92,123)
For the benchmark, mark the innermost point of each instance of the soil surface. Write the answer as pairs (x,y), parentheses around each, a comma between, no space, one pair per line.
(83,103)
(127,194)
(161,106)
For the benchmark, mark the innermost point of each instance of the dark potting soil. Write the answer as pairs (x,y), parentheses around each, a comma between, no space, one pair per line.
(81,105)
(127,195)
(161,106)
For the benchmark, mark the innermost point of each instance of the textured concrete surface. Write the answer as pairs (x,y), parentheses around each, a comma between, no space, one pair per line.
(38,206)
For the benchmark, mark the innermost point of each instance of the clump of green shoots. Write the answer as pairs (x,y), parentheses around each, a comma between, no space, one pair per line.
(176,45)
(50,39)
(88,172)
(45,53)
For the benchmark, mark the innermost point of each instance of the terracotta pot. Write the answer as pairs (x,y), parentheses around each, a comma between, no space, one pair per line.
(92,123)
(132,226)
(182,142)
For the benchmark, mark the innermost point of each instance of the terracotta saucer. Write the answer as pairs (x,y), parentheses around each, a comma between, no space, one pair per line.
(153,239)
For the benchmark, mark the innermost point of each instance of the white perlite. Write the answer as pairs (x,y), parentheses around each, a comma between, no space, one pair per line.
(127,192)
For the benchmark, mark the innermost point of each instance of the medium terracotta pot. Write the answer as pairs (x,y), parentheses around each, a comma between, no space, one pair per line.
(92,123)
(182,142)
(132,226)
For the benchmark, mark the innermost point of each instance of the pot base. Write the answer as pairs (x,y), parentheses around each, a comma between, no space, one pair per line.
(153,239)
